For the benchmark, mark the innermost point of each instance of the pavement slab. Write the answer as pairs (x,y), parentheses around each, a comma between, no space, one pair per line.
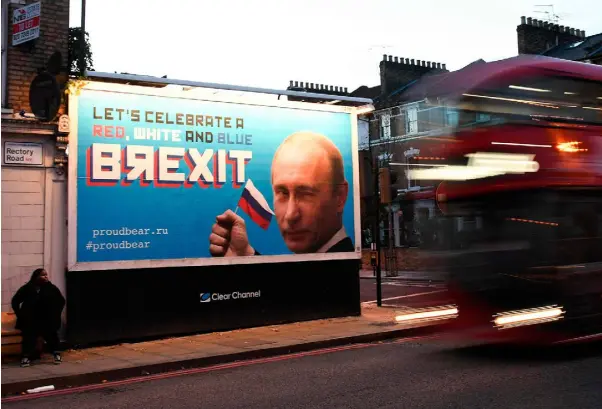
(98,364)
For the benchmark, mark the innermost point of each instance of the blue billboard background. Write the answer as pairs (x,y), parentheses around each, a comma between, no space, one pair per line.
(182,216)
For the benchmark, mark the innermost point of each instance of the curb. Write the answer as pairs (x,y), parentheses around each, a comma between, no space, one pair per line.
(67,381)
(409,280)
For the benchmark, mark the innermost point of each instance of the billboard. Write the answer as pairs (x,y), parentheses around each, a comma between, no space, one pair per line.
(160,178)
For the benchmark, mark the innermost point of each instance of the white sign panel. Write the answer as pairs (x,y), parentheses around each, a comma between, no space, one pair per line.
(26,23)
(23,153)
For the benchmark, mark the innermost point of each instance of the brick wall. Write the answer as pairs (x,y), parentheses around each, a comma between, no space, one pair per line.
(23,61)
(536,36)
(22,228)
(408,259)
(396,72)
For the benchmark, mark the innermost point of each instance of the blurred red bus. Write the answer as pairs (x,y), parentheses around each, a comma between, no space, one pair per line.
(525,186)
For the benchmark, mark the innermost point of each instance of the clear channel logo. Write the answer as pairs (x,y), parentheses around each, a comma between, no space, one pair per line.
(236,295)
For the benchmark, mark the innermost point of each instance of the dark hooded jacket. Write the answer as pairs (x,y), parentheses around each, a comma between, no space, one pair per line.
(38,310)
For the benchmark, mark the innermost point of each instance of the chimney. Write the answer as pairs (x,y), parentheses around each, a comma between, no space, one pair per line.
(398,72)
(536,36)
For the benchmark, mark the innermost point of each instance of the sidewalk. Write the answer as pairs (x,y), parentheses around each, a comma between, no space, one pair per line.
(101,364)
(432,276)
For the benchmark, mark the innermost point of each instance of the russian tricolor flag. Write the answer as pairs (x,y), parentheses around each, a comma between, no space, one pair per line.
(254,204)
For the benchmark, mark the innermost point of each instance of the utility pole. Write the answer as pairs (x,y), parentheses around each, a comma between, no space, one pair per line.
(376,229)
(376,172)
(82,41)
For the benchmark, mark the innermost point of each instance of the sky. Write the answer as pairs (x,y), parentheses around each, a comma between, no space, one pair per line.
(267,43)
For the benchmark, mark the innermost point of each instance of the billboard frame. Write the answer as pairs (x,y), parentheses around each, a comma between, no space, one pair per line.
(248,96)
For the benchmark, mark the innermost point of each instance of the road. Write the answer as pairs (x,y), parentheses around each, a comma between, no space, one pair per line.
(408,374)
(395,292)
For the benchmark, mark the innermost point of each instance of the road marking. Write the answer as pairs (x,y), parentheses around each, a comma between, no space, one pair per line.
(411,284)
(193,371)
(405,296)
(583,338)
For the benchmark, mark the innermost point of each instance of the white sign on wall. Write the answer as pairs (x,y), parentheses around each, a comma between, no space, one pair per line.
(23,153)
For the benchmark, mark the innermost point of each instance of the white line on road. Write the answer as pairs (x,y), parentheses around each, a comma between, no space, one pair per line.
(409,284)
(404,296)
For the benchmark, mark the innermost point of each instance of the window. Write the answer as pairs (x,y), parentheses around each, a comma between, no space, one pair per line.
(363,130)
(412,120)
(540,96)
(483,117)
(4,29)
(452,117)
(398,127)
(374,129)
(430,118)
(385,121)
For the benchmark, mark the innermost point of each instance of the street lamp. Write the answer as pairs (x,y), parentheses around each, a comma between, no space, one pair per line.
(82,41)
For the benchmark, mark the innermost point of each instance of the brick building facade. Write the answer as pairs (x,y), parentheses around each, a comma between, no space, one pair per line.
(536,36)
(33,195)
(551,40)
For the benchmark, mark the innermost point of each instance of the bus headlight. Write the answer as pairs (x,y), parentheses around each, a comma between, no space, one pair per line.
(428,314)
(529,316)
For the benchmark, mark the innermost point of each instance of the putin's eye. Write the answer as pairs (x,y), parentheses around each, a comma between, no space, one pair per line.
(281,193)
(305,193)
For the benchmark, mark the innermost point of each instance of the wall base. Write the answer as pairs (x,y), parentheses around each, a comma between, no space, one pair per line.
(118,305)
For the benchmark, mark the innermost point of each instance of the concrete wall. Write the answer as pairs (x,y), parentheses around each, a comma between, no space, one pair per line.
(33,221)
(22,228)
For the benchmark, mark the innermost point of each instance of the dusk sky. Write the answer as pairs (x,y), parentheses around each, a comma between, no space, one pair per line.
(266,43)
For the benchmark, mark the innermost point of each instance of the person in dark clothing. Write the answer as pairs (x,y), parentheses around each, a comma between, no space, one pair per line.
(38,306)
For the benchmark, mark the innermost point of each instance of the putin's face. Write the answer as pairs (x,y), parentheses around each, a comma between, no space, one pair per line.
(308,207)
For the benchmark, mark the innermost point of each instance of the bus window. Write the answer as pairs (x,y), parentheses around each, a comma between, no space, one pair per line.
(558,98)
